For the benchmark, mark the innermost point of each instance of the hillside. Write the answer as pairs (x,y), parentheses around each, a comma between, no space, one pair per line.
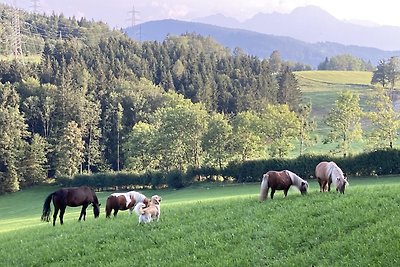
(321,88)
(213,225)
(258,44)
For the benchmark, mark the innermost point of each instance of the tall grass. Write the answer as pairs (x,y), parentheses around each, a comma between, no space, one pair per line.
(213,225)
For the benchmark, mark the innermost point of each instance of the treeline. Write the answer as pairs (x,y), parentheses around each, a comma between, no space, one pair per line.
(346,63)
(75,110)
(36,30)
(376,163)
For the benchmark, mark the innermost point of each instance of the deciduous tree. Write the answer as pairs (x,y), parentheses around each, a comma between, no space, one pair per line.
(344,119)
(385,121)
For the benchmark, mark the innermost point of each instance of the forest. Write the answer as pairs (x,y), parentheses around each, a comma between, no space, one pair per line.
(96,101)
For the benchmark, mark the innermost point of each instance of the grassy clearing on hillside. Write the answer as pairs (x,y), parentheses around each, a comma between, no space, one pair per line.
(213,225)
(25,59)
(321,88)
(337,77)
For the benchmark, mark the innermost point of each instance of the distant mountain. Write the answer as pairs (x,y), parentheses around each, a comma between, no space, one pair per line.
(258,44)
(312,24)
(220,20)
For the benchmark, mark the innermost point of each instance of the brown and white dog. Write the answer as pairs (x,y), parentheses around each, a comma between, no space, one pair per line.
(151,212)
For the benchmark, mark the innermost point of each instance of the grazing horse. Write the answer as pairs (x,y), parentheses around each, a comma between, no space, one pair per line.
(281,180)
(124,201)
(328,173)
(73,197)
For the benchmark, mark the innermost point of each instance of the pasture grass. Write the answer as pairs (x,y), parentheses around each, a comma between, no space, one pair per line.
(215,225)
(337,77)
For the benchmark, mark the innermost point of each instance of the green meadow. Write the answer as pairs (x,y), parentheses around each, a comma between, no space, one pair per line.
(321,88)
(214,224)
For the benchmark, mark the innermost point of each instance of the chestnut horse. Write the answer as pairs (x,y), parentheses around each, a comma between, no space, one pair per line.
(328,173)
(281,180)
(73,197)
(124,201)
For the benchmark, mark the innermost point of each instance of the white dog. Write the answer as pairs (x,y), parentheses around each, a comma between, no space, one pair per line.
(147,214)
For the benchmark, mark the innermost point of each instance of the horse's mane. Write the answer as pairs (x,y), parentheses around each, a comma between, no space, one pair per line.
(334,169)
(296,180)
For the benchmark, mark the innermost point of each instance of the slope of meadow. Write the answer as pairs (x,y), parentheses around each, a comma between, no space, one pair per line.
(214,225)
(321,88)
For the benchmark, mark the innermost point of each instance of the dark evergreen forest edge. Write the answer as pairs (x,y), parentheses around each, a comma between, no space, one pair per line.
(98,104)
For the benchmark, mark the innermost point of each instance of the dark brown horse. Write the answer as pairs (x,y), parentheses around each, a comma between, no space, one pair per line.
(281,180)
(73,197)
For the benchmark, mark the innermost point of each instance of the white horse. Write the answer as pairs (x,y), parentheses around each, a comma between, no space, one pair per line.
(281,180)
(328,173)
(139,198)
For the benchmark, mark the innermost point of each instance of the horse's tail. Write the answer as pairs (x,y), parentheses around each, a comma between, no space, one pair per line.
(264,187)
(47,208)
(109,206)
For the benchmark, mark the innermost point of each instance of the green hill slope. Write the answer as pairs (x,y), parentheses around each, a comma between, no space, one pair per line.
(215,226)
(321,88)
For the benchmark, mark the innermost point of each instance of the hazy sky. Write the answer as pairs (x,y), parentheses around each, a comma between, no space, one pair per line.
(116,12)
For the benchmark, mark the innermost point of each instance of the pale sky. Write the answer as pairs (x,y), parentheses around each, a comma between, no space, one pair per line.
(116,12)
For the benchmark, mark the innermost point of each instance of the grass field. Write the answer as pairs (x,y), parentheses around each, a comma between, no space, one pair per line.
(214,225)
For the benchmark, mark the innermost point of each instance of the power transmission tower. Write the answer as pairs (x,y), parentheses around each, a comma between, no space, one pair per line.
(16,33)
(35,5)
(133,19)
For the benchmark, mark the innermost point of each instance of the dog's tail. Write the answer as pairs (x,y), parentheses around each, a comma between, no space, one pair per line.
(264,187)
(139,208)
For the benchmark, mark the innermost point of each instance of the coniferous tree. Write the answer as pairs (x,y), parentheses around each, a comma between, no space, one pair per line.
(69,151)
(34,161)
(289,92)
(13,130)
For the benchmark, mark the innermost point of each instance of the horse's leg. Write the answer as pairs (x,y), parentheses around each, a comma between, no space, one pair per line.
(115,212)
(329,186)
(320,185)
(324,186)
(272,193)
(83,212)
(62,211)
(285,192)
(55,215)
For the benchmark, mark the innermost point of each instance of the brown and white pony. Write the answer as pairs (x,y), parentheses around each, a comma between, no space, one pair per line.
(328,173)
(124,201)
(281,180)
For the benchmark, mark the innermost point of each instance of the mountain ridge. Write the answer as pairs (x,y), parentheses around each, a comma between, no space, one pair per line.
(313,24)
(257,44)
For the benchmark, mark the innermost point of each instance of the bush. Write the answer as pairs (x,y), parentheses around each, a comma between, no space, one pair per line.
(175,179)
